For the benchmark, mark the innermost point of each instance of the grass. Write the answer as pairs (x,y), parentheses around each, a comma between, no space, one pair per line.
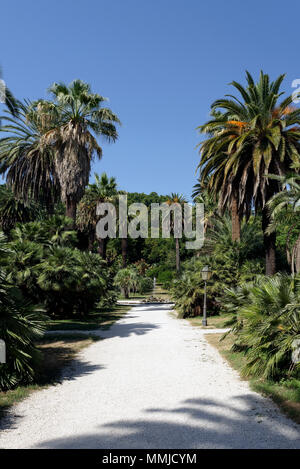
(161,293)
(286,394)
(101,319)
(135,296)
(213,322)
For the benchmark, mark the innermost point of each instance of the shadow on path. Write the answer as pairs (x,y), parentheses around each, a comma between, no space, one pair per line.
(128,329)
(202,423)
(74,369)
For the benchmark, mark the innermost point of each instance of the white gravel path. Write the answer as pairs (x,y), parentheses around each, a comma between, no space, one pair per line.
(154,382)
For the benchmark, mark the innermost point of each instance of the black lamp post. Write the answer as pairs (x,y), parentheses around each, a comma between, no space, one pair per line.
(206,274)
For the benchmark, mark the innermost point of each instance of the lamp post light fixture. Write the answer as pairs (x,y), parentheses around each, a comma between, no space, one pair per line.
(206,274)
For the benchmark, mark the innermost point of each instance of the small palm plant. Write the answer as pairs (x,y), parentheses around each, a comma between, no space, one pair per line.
(126,279)
(267,325)
(21,324)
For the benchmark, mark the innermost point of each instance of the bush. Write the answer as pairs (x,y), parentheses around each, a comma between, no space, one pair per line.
(73,282)
(145,285)
(49,270)
(127,279)
(20,324)
(267,325)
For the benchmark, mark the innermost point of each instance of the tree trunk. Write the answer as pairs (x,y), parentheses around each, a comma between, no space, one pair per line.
(102,248)
(235,219)
(124,244)
(177,255)
(91,239)
(269,244)
(71,207)
(297,255)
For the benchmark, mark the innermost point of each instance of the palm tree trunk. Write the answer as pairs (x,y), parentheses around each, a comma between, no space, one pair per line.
(177,255)
(269,244)
(102,248)
(124,244)
(71,207)
(91,239)
(235,219)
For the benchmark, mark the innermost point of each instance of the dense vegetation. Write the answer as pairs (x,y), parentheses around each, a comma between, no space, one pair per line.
(249,182)
(54,266)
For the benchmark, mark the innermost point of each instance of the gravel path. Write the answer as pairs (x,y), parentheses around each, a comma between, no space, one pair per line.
(154,382)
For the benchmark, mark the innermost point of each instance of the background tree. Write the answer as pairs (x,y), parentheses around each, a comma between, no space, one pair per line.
(102,191)
(29,164)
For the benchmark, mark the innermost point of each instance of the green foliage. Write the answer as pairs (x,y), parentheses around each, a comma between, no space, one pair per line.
(267,324)
(126,279)
(130,279)
(145,285)
(20,324)
(72,281)
(49,270)
(248,137)
(230,262)
(14,210)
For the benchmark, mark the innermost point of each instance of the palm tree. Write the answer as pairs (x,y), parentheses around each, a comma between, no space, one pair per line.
(125,280)
(80,114)
(124,248)
(103,190)
(283,206)
(29,164)
(251,136)
(175,199)
(14,210)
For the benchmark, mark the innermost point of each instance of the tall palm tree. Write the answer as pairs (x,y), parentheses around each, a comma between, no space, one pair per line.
(247,138)
(179,200)
(103,190)
(81,114)
(28,163)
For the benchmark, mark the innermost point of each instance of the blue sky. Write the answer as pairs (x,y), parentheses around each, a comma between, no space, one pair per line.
(160,62)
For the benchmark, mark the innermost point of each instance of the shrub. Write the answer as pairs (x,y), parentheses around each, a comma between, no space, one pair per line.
(20,324)
(126,279)
(145,285)
(267,324)
(73,282)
